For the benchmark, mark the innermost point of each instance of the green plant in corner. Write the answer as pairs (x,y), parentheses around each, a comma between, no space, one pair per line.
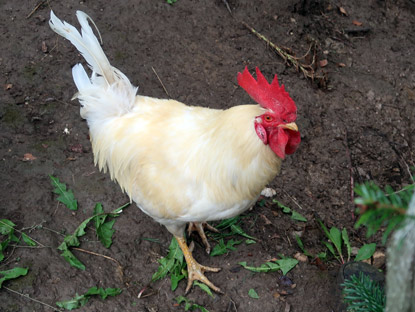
(378,208)
(362,294)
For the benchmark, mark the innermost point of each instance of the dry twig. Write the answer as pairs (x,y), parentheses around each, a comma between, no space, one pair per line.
(307,69)
(32,299)
(161,82)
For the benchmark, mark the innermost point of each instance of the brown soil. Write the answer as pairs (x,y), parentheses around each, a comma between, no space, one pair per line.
(359,127)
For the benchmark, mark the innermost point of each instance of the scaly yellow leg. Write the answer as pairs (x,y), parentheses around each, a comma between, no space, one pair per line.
(194,269)
(199,227)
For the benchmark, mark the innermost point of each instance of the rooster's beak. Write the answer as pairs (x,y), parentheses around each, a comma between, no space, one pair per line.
(290,126)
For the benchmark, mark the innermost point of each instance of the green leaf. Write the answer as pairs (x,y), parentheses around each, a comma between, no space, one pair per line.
(331,249)
(66,197)
(28,240)
(250,242)
(298,217)
(294,215)
(80,300)
(336,238)
(262,269)
(12,274)
(105,232)
(236,229)
(189,305)
(72,260)
(253,294)
(6,226)
(365,252)
(74,303)
(173,264)
(286,264)
(221,248)
(347,243)
(204,287)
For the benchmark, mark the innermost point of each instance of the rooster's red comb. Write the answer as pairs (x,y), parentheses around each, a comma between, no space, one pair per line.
(271,96)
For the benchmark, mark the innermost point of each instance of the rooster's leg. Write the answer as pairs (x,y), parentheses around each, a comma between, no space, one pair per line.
(199,227)
(194,269)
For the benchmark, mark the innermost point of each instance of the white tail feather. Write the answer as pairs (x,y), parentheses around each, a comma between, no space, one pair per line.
(108,92)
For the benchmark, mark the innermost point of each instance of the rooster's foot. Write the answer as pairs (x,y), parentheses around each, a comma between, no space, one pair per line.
(199,227)
(195,270)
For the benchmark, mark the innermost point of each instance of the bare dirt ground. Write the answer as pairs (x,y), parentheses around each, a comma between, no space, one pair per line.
(359,126)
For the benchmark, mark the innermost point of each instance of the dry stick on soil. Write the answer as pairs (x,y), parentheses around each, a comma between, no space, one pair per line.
(27,297)
(307,70)
(37,7)
(161,82)
(120,268)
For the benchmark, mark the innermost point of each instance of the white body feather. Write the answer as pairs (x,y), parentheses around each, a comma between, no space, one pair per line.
(178,163)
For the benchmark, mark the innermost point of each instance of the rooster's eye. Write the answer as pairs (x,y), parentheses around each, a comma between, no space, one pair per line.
(268,118)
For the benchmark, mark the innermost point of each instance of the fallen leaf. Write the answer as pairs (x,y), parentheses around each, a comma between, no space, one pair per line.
(8,86)
(300,257)
(357,23)
(28,157)
(379,259)
(323,63)
(276,295)
(267,221)
(343,11)
(341,64)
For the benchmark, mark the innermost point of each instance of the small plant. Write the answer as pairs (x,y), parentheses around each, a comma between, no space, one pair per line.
(66,197)
(283,264)
(103,227)
(362,294)
(7,228)
(294,215)
(189,305)
(80,300)
(104,233)
(379,208)
(339,239)
(173,265)
(222,248)
(234,227)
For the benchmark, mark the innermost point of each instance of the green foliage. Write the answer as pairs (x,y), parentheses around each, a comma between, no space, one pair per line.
(365,252)
(104,232)
(335,237)
(7,229)
(234,227)
(80,300)
(382,208)
(253,294)
(171,2)
(189,305)
(284,264)
(66,197)
(222,248)
(339,240)
(362,294)
(294,215)
(12,274)
(204,287)
(173,265)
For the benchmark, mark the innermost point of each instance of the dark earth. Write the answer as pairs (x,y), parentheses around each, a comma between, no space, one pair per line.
(356,121)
